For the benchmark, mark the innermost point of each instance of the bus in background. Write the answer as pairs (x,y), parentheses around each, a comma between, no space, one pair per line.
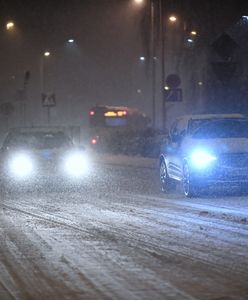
(105,121)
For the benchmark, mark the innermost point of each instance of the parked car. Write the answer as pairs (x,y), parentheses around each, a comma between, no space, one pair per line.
(32,155)
(205,150)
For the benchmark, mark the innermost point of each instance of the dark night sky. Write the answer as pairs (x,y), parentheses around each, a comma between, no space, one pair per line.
(103,65)
(98,68)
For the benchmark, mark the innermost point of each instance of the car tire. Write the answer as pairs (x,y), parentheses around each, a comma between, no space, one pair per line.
(189,187)
(167,184)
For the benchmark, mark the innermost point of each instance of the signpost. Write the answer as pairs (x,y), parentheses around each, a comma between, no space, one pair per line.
(48,101)
(171,93)
(173,81)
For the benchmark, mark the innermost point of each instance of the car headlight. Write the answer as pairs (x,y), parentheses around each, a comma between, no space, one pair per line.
(76,164)
(21,165)
(202,159)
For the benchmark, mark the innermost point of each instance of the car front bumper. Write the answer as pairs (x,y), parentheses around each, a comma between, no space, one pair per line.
(220,175)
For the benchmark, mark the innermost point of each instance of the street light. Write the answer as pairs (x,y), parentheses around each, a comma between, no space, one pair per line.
(70,41)
(138,1)
(173,18)
(10,25)
(193,32)
(47,53)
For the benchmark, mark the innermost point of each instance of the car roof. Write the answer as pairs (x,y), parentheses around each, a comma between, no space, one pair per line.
(183,121)
(130,110)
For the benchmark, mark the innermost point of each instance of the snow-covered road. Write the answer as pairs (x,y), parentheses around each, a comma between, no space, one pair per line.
(118,237)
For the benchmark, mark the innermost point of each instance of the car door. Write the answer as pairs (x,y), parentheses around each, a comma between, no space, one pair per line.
(173,155)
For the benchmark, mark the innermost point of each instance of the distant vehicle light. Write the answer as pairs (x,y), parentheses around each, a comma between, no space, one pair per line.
(76,164)
(202,158)
(121,113)
(110,114)
(94,141)
(92,113)
(21,166)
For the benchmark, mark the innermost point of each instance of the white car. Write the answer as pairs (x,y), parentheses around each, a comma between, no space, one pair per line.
(205,150)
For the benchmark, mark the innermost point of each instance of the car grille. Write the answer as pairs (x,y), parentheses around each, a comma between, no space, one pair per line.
(47,164)
(234,160)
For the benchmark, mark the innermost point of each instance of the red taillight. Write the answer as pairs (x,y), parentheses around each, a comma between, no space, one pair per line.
(93,141)
(92,113)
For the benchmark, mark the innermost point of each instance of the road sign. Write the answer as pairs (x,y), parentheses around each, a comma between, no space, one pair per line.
(225,46)
(48,100)
(173,81)
(224,70)
(173,95)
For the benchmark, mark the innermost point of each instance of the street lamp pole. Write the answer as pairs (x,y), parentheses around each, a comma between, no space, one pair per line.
(44,55)
(41,75)
(153,52)
(162,39)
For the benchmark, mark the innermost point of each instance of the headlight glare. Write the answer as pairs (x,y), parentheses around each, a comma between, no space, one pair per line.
(202,159)
(76,164)
(21,165)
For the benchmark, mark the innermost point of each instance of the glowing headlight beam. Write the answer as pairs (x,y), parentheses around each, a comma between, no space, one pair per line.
(202,159)
(76,164)
(21,165)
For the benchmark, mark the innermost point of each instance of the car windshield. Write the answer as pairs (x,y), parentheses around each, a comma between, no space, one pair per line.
(222,129)
(195,124)
(38,140)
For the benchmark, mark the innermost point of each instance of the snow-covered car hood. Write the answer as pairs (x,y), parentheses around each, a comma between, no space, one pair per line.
(229,145)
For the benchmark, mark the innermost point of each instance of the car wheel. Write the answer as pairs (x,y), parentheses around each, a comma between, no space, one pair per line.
(189,187)
(167,184)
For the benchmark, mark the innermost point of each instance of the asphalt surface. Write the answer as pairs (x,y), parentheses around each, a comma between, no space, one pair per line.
(118,237)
